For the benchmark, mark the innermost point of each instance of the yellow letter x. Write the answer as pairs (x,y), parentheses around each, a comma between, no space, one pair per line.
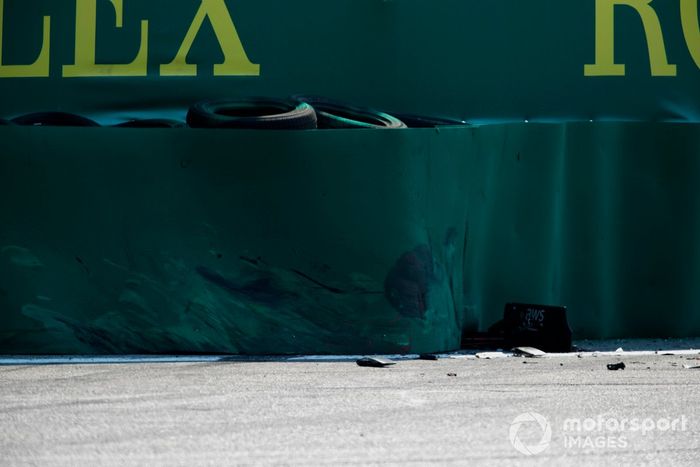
(236,62)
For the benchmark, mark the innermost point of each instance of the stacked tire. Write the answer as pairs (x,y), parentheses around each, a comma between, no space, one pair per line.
(298,113)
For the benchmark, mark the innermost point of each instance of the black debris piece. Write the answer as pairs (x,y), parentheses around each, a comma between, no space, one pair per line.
(616,366)
(529,352)
(375,362)
(427,356)
(543,327)
(452,374)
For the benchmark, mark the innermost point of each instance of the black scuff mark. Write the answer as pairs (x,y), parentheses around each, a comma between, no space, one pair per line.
(451,241)
(366,292)
(465,244)
(259,263)
(407,284)
(462,266)
(261,290)
(255,262)
(99,340)
(329,288)
(128,253)
(82,263)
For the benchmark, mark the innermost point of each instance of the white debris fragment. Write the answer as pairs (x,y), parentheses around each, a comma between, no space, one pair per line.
(490,355)
(529,352)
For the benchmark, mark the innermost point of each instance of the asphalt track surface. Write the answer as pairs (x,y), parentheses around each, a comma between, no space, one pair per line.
(457,411)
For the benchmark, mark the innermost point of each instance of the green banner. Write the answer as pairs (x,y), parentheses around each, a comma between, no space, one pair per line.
(472,59)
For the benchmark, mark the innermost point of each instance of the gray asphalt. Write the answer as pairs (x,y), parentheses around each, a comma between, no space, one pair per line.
(334,413)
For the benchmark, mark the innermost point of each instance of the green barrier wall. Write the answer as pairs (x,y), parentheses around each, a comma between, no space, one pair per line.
(122,240)
(230,241)
(117,240)
(600,217)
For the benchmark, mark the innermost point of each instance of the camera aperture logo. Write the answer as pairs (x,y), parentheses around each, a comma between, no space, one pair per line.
(531,433)
(530,419)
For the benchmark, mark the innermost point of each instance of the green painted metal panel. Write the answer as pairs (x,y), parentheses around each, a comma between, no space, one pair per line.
(126,240)
(123,240)
(600,217)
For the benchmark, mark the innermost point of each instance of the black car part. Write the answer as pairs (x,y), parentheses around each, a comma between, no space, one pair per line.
(540,326)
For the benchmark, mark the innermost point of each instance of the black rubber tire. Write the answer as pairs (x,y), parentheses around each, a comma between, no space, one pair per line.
(152,123)
(421,121)
(252,114)
(334,115)
(54,119)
